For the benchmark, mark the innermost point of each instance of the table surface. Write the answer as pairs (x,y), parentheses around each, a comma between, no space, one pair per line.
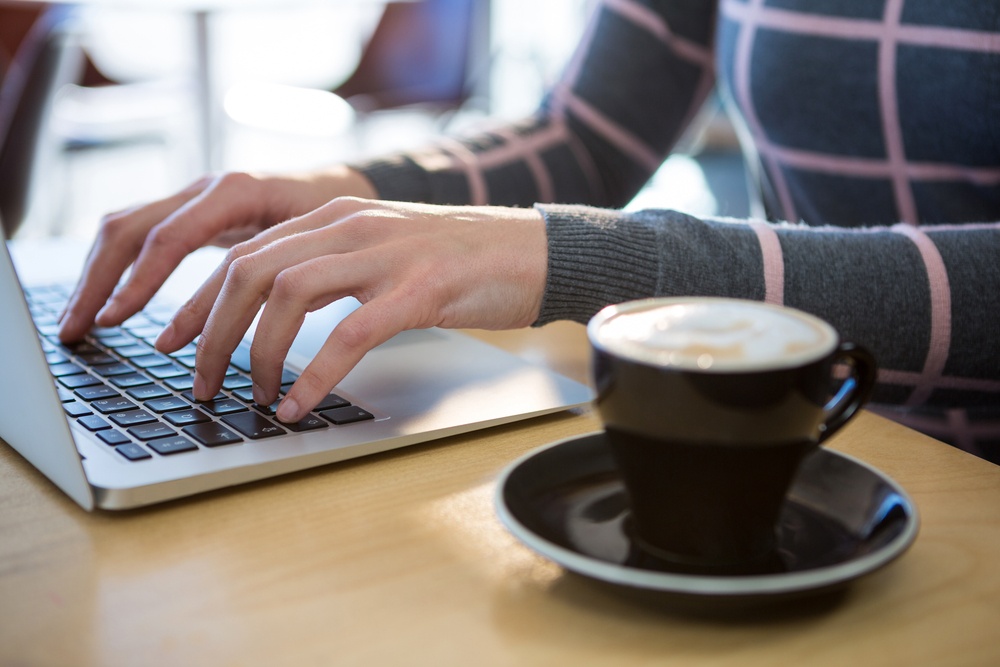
(399,558)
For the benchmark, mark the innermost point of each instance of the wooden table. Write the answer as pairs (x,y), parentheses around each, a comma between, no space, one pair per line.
(400,559)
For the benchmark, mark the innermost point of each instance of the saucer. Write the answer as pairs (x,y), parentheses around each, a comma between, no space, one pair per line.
(842,519)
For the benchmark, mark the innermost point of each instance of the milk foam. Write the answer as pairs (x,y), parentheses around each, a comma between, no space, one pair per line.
(715,335)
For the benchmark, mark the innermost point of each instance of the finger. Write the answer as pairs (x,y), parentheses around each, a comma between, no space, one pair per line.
(244,291)
(246,286)
(222,205)
(370,325)
(190,319)
(296,291)
(116,247)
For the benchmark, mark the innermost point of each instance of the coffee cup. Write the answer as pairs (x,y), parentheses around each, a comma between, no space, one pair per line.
(709,405)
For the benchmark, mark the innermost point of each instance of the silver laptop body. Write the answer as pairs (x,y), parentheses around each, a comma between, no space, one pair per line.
(419,386)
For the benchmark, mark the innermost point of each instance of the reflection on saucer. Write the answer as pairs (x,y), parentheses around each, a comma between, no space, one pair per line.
(842,519)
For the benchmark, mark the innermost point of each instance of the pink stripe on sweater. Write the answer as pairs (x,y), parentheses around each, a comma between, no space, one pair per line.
(653,23)
(905,205)
(621,138)
(742,88)
(862,29)
(773,261)
(940,342)
(518,147)
(465,161)
(878,168)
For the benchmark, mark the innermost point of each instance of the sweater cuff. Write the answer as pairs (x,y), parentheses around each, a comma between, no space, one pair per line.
(596,258)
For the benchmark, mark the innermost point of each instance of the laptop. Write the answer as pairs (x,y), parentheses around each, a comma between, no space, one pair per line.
(108,421)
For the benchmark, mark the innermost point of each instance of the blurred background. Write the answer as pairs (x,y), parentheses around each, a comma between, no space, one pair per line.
(110,103)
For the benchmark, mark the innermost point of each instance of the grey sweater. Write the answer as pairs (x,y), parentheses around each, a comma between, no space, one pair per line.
(872,126)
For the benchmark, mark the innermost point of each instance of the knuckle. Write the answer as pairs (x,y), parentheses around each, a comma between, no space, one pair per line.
(353,332)
(243,270)
(289,284)
(114,226)
(234,180)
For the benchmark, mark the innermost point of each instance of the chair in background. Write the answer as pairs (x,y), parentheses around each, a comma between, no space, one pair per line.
(430,54)
(48,58)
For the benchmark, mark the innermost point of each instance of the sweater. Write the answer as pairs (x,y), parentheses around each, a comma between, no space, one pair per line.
(870,130)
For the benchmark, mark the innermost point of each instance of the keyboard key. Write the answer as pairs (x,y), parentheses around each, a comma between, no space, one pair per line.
(77,409)
(64,369)
(308,423)
(245,394)
(133,452)
(113,437)
(288,377)
(65,395)
(253,426)
(180,383)
(118,342)
(93,423)
(77,381)
(236,382)
(211,434)
(224,406)
(95,392)
(150,360)
(146,392)
(105,332)
(130,380)
(133,349)
(52,358)
(48,329)
(148,333)
(189,395)
(184,360)
(186,417)
(330,402)
(269,410)
(97,358)
(151,431)
(167,371)
(167,404)
(346,415)
(114,369)
(116,404)
(188,350)
(131,418)
(79,347)
(175,445)
(241,358)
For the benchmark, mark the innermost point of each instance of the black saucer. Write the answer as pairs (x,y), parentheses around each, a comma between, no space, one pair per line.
(842,519)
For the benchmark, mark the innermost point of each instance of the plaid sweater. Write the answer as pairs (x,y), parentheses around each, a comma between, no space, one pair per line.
(872,128)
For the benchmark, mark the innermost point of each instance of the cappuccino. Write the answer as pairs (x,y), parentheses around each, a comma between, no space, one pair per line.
(715,335)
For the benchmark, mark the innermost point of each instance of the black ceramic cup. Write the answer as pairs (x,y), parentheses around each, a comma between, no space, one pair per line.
(709,406)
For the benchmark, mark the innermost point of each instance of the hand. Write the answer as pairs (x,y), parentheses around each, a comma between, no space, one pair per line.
(219,210)
(410,265)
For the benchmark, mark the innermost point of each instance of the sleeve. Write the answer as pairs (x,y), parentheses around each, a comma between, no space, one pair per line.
(639,75)
(924,299)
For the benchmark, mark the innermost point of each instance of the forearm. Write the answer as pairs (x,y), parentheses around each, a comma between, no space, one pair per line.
(924,300)
(638,77)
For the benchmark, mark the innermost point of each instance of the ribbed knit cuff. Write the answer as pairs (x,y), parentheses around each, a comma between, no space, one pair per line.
(597,257)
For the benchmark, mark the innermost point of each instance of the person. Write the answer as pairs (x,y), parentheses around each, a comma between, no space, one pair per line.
(869,128)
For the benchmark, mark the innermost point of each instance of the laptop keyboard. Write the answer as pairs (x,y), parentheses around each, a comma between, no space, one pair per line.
(139,401)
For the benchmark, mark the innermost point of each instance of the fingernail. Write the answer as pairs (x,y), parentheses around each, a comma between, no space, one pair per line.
(198,387)
(259,397)
(288,411)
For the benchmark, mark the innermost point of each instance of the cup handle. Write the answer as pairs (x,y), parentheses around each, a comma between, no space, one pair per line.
(855,390)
